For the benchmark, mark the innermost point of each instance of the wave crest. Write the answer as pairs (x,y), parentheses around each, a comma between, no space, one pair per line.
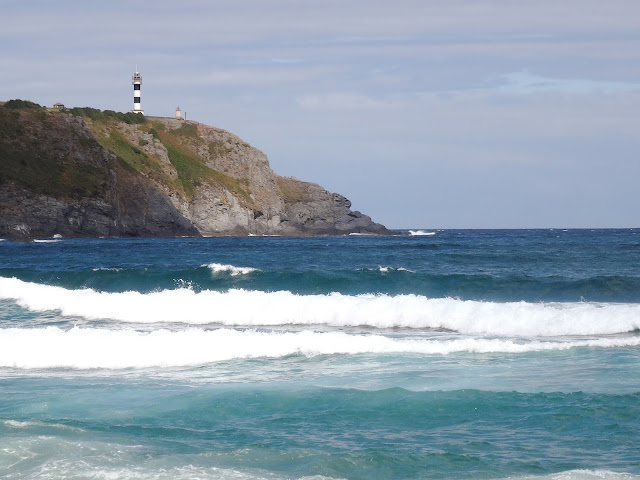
(86,348)
(258,308)
(218,268)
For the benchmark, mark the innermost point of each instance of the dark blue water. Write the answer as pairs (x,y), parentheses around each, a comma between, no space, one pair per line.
(496,265)
(462,354)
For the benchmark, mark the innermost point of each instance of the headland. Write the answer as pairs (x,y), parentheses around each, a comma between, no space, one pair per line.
(83,172)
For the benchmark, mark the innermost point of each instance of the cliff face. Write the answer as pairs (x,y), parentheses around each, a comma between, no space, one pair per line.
(99,174)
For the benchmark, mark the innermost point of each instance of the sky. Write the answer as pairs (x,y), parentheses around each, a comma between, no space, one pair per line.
(424,113)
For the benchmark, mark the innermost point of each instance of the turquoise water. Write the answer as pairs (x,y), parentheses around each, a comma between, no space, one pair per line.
(449,354)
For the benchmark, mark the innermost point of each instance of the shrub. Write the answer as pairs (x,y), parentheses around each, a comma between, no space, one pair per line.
(187,130)
(17,103)
(96,114)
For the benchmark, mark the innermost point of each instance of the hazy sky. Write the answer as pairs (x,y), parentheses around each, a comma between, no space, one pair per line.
(426,114)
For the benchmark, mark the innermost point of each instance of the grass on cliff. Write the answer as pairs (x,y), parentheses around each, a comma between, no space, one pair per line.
(87,112)
(38,172)
(187,130)
(33,166)
(192,171)
(10,127)
(134,159)
(293,191)
(131,157)
(153,127)
(97,115)
(21,104)
(29,164)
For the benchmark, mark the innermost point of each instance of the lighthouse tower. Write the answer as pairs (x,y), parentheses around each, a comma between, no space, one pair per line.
(137,81)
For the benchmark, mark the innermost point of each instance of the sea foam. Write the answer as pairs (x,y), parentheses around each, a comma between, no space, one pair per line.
(383,269)
(85,348)
(581,475)
(259,308)
(218,268)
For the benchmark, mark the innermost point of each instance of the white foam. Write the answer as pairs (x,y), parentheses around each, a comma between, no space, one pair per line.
(218,268)
(258,308)
(421,233)
(17,424)
(382,269)
(82,457)
(47,240)
(85,348)
(36,424)
(581,475)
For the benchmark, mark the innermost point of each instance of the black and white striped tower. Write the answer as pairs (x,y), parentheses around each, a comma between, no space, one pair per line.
(137,81)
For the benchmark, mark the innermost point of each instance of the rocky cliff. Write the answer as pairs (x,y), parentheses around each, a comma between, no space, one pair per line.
(84,172)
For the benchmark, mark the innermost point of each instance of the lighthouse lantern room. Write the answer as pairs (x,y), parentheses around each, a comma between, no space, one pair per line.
(137,81)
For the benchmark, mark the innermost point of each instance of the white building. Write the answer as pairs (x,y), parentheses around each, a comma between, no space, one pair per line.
(137,82)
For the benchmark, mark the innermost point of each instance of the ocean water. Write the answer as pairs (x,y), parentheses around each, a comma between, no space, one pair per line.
(442,354)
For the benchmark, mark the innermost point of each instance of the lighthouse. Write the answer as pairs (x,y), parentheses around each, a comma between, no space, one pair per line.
(137,81)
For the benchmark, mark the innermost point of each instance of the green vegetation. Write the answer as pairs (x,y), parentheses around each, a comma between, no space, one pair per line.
(32,108)
(21,104)
(125,152)
(88,142)
(82,181)
(193,172)
(96,114)
(153,127)
(9,124)
(88,112)
(133,159)
(293,191)
(187,130)
(34,167)
(40,173)
(32,163)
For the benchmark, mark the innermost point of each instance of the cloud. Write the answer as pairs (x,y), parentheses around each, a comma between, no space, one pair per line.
(520,95)
(254,77)
(526,83)
(344,101)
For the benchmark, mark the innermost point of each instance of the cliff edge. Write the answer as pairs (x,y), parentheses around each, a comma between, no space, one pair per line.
(84,172)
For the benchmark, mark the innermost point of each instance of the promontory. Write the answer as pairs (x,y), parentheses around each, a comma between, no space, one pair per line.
(83,172)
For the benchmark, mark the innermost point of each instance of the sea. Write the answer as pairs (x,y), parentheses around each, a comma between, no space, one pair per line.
(430,354)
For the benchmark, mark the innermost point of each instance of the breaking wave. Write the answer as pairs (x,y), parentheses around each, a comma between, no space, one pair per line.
(36,424)
(259,308)
(581,475)
(218,268)
(383,269)
(85,348)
